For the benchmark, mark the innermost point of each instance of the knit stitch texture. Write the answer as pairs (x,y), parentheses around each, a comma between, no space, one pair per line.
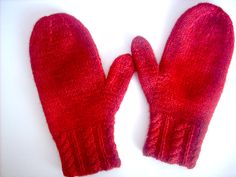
(78,101)
(184,89)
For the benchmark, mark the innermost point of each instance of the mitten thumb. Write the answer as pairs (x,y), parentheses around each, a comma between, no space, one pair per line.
(118,80)
(146,66)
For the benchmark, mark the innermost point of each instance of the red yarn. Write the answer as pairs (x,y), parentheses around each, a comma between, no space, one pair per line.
(78,101)
(184,89)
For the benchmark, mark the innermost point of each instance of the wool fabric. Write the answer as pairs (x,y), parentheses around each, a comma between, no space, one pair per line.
(184,89)
(79,103)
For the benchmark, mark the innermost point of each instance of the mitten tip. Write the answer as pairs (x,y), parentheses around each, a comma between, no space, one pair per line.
(124,61)
(137,42)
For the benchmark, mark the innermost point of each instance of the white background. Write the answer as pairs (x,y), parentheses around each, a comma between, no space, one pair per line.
(27,149)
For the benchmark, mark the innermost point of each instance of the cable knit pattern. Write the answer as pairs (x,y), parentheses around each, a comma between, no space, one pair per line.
(150,147)
(177,143)
(87,151)
(78,101)
(66,152)
(172,141)
(184,89)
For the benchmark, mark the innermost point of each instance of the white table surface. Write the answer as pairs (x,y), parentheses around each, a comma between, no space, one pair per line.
(26,146)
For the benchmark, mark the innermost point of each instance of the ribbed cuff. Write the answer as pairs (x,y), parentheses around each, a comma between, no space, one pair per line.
(174,139)
(87,150)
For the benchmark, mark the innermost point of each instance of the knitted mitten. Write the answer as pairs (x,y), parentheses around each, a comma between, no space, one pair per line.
(78,101)
(184,89)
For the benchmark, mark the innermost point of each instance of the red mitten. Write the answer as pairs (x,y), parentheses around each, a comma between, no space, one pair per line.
(78,101)
(184,89)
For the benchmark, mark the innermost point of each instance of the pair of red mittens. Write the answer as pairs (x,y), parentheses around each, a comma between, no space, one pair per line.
(80,103)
